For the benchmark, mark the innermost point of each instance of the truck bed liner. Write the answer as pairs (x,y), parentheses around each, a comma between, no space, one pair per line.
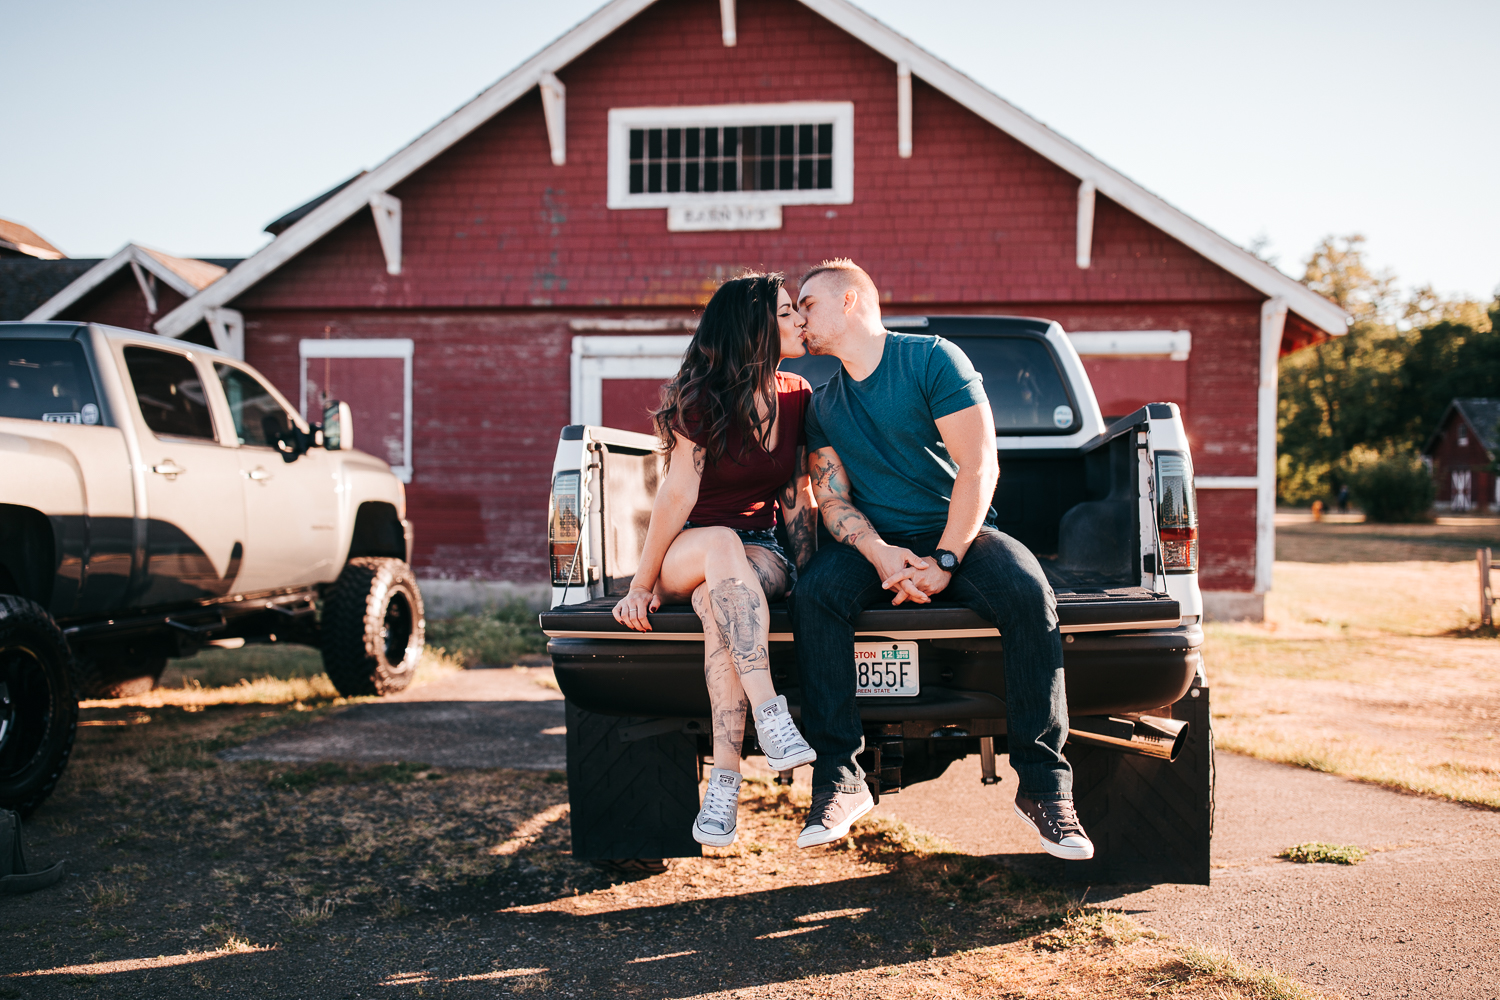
(1080,610)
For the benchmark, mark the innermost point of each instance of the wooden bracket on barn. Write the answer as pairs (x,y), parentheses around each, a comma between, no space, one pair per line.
(903,110)
(228,329)
(1086,191)
(148,286)
(555,107)
(726,14)
(387,211)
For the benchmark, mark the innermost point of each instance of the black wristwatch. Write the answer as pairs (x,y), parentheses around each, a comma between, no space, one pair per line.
(947,561)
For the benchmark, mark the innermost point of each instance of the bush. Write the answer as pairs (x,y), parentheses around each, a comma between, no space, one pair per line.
(496,637)
(1393,489)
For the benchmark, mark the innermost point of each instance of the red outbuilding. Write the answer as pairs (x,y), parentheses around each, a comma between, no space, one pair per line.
(538,257)
(1463,453)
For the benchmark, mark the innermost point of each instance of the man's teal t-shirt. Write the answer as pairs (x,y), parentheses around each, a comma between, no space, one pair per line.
(885,430)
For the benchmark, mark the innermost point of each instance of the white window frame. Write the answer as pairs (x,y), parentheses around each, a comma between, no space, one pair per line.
(598,358)
(622,120)
(390,347)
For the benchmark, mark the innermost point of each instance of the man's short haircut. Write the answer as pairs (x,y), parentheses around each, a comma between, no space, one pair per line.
(846,274)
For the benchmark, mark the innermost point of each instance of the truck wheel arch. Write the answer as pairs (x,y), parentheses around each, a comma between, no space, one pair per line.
(378,532)
(28,553)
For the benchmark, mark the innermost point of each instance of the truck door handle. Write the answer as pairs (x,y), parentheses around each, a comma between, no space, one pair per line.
(168,468)
(258,474)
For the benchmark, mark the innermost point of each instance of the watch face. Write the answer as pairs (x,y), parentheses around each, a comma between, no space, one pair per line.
(947,560)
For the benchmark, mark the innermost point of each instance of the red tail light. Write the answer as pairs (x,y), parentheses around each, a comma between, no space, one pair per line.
(1176,512)
(563,530)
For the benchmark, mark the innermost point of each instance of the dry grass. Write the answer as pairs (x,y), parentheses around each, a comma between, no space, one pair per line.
(1368,669)
(256,675)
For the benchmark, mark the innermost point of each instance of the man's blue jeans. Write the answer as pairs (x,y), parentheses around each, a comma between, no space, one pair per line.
(1000,580)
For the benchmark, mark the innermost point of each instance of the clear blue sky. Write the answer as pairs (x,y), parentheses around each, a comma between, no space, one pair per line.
(188,126)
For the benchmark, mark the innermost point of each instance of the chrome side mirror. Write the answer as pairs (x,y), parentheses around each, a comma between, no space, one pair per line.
(338,426)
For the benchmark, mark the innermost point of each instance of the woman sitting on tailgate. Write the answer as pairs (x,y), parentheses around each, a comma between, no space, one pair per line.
(733,427)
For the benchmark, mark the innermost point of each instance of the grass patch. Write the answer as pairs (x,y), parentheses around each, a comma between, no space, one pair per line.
(1331,854)
(107,897)
(496,637)
(326,773)
(882,836)
(1092,928)
(1249,982)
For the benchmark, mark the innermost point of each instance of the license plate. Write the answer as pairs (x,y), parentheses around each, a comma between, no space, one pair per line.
(886,670)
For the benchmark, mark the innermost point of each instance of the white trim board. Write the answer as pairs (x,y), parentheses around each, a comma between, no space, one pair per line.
(1173,344)
(598,358)
(622,120)
(899,49)
(396,348)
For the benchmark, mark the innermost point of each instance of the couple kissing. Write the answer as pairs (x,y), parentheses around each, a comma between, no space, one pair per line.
(896,455)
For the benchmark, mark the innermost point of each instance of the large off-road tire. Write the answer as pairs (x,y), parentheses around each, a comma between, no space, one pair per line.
(1151,821)
(373,627)
(103,676)
(38,707)
(630,800)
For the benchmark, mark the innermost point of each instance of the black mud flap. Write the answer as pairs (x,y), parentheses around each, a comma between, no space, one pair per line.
(1151,821)
(630,798)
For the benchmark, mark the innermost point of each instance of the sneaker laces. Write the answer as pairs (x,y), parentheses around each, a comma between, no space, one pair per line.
(782,732)
(822,801)
(721,804)
(1062,818)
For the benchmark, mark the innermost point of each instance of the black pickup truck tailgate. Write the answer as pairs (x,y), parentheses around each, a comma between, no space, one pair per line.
(1124,650)
(1124,608)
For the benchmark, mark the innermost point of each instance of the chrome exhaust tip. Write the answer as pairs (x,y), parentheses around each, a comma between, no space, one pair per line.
(1147,735)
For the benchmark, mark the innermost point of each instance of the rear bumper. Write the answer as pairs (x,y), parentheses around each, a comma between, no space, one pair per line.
(963,677)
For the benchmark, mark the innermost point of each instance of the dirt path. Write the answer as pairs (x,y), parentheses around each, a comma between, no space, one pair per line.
(1419,918)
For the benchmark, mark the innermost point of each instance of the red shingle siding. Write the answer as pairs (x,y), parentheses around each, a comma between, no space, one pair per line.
(974,216)
(501,247)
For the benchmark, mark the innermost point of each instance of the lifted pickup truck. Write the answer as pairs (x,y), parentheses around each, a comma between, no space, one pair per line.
(1109,511)
(157,497)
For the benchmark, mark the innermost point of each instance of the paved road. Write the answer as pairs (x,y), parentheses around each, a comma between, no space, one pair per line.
(1419,918)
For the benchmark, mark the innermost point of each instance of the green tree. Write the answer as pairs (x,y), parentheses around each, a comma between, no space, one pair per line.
(1384,384)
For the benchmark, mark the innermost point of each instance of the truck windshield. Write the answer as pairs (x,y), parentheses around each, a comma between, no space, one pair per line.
(46,380)
(1026,390)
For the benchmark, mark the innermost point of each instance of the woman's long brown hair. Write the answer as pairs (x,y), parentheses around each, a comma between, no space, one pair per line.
(730,365)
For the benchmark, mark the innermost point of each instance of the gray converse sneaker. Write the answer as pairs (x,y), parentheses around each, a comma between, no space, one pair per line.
(1056,823)
(718,821)
(832,814)
(780,740)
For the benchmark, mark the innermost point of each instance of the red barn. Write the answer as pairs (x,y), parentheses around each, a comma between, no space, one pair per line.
(537,257)
(1462,453)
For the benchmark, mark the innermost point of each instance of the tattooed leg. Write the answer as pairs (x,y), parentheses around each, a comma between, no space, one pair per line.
(725,694)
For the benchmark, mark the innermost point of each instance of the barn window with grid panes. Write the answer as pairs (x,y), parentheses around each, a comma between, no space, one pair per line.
(783,154)
(751,158)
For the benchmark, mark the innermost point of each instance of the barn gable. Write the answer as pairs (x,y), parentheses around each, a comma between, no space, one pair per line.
(1068,180)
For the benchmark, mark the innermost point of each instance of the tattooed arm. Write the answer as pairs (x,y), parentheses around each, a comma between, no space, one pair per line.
(799,513)
(675,499)
(830,487)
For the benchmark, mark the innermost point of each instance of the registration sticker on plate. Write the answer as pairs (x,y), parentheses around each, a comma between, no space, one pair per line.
(886,670)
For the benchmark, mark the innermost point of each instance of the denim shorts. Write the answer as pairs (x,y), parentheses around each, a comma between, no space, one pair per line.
(766,539)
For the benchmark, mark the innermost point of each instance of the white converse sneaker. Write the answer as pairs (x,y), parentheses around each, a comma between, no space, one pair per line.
(779,737)
(718,821)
